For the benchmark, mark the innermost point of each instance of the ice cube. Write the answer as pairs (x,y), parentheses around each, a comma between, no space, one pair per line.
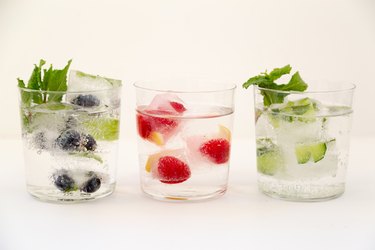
(168,102)
(82,82)
(151,165)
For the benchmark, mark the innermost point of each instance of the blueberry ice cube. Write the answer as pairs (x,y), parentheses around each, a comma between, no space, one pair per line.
(63,181)
(92,185)
(86,101)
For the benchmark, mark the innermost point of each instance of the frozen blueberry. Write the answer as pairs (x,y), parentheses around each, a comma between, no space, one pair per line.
(69,140)
(64,182)
(92,185)
(86,101)
(89,142)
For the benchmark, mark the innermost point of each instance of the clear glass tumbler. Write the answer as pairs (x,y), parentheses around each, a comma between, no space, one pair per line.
(70,145)
(302,143)
(184,138)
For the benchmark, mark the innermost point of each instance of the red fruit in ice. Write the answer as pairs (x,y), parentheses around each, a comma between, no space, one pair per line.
(171,170)
(144,126)
(156,129)
(216,150)
(167,102)
(179,107)
(161,124)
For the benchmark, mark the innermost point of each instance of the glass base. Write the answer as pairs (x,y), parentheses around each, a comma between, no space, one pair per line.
(184,196)
(56,196)
(303,193)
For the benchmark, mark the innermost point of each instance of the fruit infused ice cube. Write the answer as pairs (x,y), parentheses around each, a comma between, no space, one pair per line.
(70,133)
(184,144)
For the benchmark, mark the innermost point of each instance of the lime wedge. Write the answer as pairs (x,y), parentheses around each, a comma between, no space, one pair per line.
(312,151)
(103,129)
(268,163)
(269,157)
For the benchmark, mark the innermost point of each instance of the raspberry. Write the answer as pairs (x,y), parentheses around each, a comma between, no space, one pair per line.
(217,150)
(179,107)
(147,124)
(144,126)
(172,170)
(160,124)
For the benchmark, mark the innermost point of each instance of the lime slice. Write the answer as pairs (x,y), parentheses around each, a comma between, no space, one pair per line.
(103,129)
(307,152)
(269,157)
(303,154)
(268,163)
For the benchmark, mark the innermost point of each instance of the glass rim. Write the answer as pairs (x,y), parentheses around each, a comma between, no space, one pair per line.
(350,87)
(138,85)
(67,91)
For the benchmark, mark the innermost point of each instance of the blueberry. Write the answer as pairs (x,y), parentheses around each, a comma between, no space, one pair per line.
(69,140)
(92,185)
(89,142)
(86,101)
(64,182)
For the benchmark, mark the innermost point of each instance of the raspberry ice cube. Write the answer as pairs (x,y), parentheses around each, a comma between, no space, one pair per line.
(167,102)
(157,123)
(213,148)
(169,166)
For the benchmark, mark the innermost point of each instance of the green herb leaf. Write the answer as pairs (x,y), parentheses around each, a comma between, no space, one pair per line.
(296,83)
(35,82)
(56,81)
(267,81)
(279,72)
(52,80)
(260,80)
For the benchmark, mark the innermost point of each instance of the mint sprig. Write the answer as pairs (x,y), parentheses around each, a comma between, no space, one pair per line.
(267,81)
(44,80)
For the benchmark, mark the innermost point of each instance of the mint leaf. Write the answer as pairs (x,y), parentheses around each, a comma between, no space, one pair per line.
(267,81)
(35,82)
(25,96)
(296,83)
(260,80)
(279,72)
(52,80)
(56,81)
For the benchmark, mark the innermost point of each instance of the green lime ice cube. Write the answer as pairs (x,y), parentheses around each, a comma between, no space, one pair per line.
(104,129)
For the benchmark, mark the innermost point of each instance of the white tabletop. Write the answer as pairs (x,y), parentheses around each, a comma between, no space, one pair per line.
(241,219)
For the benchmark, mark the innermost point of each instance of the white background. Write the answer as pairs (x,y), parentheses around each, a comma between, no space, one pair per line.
(214,39)
(227,40)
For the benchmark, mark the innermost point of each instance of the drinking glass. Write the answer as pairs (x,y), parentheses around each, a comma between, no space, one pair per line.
(70,143)
(302,141)
(184,138)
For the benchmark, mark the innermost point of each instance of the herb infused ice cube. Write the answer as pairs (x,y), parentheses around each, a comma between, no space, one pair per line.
(70,135)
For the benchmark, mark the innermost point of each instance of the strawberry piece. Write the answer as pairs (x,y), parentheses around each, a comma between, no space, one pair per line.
(172,170)
(144,126)
(179,107)
(216,150)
